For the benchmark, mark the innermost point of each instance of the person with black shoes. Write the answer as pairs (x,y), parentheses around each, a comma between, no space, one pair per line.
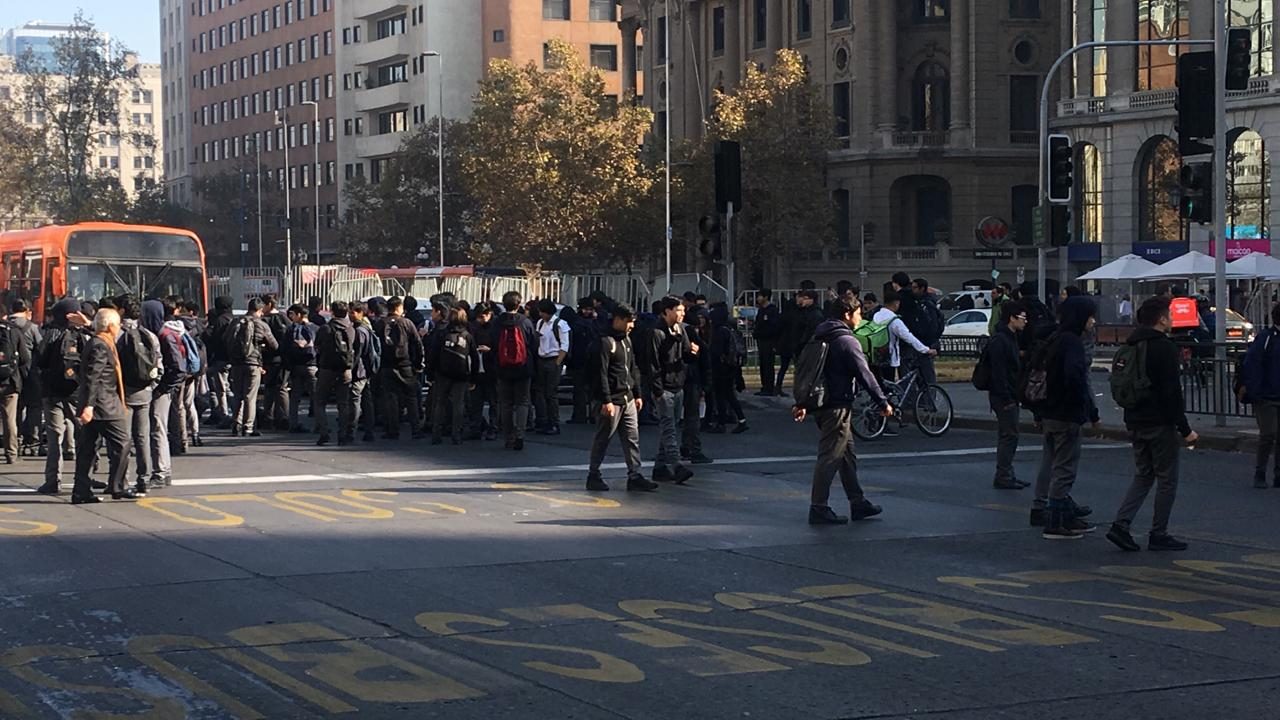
(697,388)
(1158,427)
(102,415)
(728,353)
(59,366)
(168,390)
(368,363)
(140,364)
(219,373)
(401,363)
(844,370)
(767,330)
(246,339)
(1260,385)
(335,362)
(15,362)
(1068,406)
(584,332)
(517,355)
(457,365)
(298,355)
(275,383)
(1003,367)
(613,382)
(29,421)
(185,414)
(663,371)
(485,331)
(554,343)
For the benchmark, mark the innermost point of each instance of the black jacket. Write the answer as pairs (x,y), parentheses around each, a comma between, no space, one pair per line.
(509,319)
(487,335)
(406,367)
(326,357)
(278,323)
(215,333)
(612,375)
(663,361)
(1005,365)
(1070,398)
(768,325)
(1165,406)
(807,322)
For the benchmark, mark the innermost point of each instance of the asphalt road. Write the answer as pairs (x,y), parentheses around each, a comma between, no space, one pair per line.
(280,580)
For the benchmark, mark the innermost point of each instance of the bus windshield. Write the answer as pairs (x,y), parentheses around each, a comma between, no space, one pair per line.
(129,245)
(95,279)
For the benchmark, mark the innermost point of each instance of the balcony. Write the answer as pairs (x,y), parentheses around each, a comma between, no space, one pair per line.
(377,8)
(380,98)
(376,146)
(917,138)
(1157,100)
(379,51)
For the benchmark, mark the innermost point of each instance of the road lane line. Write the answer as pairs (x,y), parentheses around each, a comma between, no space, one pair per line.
(463,473)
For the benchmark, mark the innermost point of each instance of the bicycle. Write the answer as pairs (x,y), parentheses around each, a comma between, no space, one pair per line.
(931,407)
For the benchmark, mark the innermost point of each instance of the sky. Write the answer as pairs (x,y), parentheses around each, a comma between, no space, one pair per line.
(136,23)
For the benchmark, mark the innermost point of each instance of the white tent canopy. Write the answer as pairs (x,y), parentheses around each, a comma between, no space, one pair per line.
(1255,265)
(1129,267)
(1189,266)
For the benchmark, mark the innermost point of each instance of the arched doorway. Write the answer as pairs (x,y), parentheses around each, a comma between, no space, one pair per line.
(921,206)
(931,98)
(1248,186)
(1159,166)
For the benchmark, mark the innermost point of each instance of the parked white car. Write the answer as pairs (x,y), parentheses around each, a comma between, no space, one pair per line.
(974,298)
(968,323)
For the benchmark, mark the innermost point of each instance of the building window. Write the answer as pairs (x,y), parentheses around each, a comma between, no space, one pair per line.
(839,13)
(1257,16)
(661,39)
(930,98)
(1022,203)
(760,23)
(804,18)
(604,57)
(603,10)
(1024,9)
(717,31)
(394,121)
(346,127)
(388,74)
(555,9)
(840,108)
(1161,20)
(928,10)
(1158,193)
(1248,188)
(1088,194)
(391,26)
(1024,99)
(499,36)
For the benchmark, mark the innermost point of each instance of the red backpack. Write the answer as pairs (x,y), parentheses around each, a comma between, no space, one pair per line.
(513,347)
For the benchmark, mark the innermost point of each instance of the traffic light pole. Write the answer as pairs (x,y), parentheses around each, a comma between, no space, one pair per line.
(730,268)
(1221,295)
(1042,180)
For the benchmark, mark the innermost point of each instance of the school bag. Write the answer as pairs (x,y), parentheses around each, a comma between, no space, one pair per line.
(340,347)
(513,347)
(139,363)
(874,338)
(1130,385)
(10,345)
(455,354)
(810,383)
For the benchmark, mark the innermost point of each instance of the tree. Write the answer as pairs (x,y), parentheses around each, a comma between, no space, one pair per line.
(390,219)
(225,215)
(75,103)
(785,128)
(554,164)
(19,149)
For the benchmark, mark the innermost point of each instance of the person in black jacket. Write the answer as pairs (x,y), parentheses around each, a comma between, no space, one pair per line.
(275,384)
(1004,365)
(1068,406)
(583,333)
(663,369)
(697,390)
(485,330)
(299,357)
(103,415)
(335,362)
(64,340)
(613,383)
(726,370)
(219,362)
(401,363)
(18,366)
(1159,428)
(456,359)
(809,316)
(767,331)
(514,379)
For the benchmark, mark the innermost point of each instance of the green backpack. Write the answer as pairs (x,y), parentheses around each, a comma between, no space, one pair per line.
(1130,385)
(874,338)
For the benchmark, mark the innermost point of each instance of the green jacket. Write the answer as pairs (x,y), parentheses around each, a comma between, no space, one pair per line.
(995,316)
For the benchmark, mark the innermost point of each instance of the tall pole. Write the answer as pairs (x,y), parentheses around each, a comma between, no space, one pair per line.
(666,114)
(282,119)
(315,181)
(257,175)
(1221,295)
(439,147)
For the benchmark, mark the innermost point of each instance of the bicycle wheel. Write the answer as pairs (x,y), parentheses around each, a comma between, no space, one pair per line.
(868,423)
(933,411)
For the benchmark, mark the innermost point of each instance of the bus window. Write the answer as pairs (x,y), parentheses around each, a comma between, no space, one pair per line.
(32,262)
(50,283)
(12,268)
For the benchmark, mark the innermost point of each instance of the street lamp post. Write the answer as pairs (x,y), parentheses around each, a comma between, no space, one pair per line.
(315,181)
(282,119)
(257,178)
(439,145)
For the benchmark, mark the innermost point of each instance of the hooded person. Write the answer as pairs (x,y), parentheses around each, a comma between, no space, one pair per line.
(58,362)
(726,361)
(172,374)
(219,360)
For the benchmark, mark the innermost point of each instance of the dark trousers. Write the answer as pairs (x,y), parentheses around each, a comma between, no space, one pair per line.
(1155,460)
(625,423)
(690,438)
(1268,417)
(513,407)
(784,362)
(400,393)
(450,396)
(768,353)
(581,405)
(1058,463)
(333,383)
(835,455)
(115,435)
(1006,441)
(546,383)
(486,393)
(725,394)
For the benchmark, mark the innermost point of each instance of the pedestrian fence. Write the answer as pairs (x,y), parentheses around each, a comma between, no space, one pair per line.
(1209,383)
(630,289)
(696,283)
(962,347)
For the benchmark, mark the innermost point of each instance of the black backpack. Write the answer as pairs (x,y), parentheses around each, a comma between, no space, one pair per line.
(810,385)
(455,354)
(10,347)
(240,339)
(1034,386)
(61,363)
(982,370)
(395,345)
(340,347)
(139,365)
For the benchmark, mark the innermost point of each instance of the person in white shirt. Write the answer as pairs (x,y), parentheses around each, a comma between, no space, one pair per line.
(898,332)
(553,347)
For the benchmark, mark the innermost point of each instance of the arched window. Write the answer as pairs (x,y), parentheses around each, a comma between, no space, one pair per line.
(1158,192)
(1161,20)
(1248,187)
(1089,194)
(931,98)
(1257,16)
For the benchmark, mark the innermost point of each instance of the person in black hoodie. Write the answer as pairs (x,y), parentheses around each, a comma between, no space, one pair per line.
(614,384)
(401,363)
(1005,366)
(275,384)
(1158,426)
(335,364)
(1068,406)
(808,317)
(219,362)
(485,331)
(583,333)
(726,369)
(457,367)
(663,369)
(767,330)
(845,370)
(64,340)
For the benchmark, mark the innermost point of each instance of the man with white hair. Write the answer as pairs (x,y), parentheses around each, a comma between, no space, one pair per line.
(103,413)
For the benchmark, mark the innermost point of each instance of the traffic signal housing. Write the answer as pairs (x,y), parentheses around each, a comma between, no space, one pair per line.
(1061,169)
(709,245)
(1196,203)
(1195,102)
(1239,58)
(1060,225)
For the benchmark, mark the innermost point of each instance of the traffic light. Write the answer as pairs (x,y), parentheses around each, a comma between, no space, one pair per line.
(1060,225)
(1195,102)
(728,165)
(1061,168)
(709,245)
(1196,203)
(1239,58)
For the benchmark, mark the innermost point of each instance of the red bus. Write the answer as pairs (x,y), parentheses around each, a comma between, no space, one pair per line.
(90,261)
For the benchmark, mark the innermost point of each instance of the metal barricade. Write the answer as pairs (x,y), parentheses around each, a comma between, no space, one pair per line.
(961,347)
(1209,384)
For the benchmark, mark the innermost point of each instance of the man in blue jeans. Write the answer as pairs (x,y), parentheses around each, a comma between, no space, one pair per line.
(663,373)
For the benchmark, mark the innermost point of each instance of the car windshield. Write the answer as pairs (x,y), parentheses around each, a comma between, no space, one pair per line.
(92,280)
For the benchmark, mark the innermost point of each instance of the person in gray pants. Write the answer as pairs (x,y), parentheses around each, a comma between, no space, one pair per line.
(1002,363)
(246,338)
(1158,427)
(613,383)
(60,380)
(138,395)
(663,370)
